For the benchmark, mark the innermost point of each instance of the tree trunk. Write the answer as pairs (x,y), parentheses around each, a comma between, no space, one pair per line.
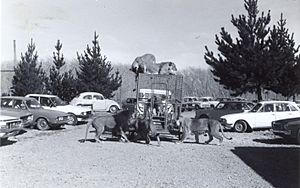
(258,92)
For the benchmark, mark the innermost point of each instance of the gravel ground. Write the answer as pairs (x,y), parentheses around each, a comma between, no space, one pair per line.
(57,158)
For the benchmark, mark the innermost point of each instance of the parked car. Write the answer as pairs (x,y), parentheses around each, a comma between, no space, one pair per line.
(96,101)
(190,103)
(53,102)
(261,115)
(207,102)
(223,108)
(43,119)
(287,128)
(9,126)
(26,117)
(129,104)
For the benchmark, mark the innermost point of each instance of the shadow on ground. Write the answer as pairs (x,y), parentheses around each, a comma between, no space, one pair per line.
(280,166)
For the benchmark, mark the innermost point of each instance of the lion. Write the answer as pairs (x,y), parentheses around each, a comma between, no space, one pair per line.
(147,64)
(202,126)
(118,124)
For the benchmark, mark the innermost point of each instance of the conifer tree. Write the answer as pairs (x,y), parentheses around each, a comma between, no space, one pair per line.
(283,56)
(242,65)
(95,72)
(29,77)
(55,76)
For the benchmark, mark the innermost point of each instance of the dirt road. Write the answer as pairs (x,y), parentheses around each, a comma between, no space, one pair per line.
(57,159)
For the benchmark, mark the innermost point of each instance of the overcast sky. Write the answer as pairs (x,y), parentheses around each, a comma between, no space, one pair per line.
(172,30)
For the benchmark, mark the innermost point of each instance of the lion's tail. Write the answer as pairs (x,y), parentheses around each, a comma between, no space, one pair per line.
(222,131)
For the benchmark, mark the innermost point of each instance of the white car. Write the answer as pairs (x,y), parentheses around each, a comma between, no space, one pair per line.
(96,101)
(53,102)
(207,102)
(261,115)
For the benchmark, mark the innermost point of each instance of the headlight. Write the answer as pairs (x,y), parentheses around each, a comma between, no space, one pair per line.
(83,113)
(60,118)
(30,118)
(222,120)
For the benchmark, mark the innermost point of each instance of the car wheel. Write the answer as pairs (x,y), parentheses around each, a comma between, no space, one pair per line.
(42,124)
(72,119)
(298,137)
(240,126)
(113,109)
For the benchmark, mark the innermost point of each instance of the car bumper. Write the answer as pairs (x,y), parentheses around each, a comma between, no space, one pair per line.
(282,132)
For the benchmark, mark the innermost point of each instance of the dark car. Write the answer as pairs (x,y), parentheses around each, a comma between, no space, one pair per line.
(43,119)
(223,108)
(129,104)
(287,128)
(26,117)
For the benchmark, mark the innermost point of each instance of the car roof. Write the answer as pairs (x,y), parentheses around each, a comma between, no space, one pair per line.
(268,102)
(41,95)
(17,98)
(90,93)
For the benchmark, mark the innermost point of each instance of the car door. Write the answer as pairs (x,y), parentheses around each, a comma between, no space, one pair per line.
(86,100)
(99,103)
(265,116)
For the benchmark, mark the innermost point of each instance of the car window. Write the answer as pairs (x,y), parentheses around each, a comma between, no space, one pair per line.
(45,101)
(35,97)
(256,107)
(33,104)
(98,97)
(221,106)
(18,104)
(89,97)
(8,103)
(268,108)
(292,108)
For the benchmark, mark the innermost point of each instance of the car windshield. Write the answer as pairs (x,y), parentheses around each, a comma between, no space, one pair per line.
(256,107)
(33,104)
(57,101)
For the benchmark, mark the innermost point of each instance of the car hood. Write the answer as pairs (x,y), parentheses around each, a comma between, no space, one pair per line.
(241,114)
(71,108)
(46,112)
(14,113)
(7,118)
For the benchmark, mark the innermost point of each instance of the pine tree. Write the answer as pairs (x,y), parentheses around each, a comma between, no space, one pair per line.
(283,55)
(29,77)
(243,64)
(55,76)
(69,85)
(95,71)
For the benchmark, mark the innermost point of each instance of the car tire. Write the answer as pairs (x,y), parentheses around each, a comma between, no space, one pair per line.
(42,124)
(298,137)
(73,119)
(113,109)
(240,126)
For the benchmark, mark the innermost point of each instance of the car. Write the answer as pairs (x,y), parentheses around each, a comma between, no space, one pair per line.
(9,126)
(96,101)
(207,102)
(190,103)
(223,108)
(129,104)
(53,102)
(26,117)
(261,115)
(287,128)
(43,119)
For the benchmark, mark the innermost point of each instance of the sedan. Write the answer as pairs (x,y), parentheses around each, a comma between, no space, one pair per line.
(261,115)
(53,102)
(96,101)
(287,128)
(43,119)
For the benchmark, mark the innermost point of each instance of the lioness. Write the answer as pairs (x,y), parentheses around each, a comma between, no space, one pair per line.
(201,126)
(118,124)
(147,64)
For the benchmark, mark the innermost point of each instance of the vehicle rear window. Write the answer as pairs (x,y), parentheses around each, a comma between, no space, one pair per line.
(8,103)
